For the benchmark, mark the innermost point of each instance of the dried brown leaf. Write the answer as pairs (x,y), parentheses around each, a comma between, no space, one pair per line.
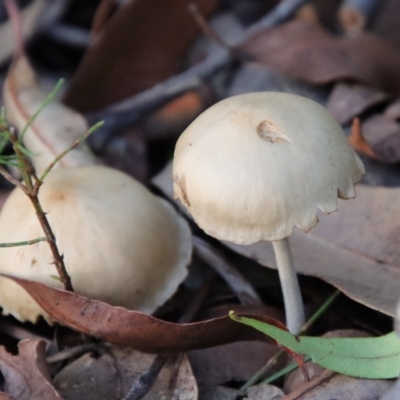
(141,45)
(134,329)
(26,374)
(55,128)
(355,249)
(307,52)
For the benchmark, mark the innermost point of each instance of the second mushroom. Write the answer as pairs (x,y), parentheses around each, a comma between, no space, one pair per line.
(254,166)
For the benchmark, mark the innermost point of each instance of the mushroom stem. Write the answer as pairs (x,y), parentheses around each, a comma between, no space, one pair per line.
(294,308)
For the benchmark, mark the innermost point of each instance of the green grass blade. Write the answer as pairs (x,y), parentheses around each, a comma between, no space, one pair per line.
(372,358)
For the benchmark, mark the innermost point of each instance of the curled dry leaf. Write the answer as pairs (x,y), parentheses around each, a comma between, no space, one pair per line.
(307,52)
(141,45)
(355,249)
(54,129)
(134,329)
(26,374)
(109,376)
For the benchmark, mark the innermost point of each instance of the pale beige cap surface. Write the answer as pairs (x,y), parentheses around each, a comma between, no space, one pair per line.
(121,244)
(254,166)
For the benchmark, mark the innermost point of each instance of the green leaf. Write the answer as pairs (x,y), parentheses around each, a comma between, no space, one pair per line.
(371,358)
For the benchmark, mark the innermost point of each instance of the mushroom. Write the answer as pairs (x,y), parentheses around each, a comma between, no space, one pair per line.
(254,166)
(121,244)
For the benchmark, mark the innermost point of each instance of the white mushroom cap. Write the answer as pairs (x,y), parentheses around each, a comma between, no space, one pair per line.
(254,166)
(121,244)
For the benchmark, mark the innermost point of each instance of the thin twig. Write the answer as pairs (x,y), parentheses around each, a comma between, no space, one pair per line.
(141,386)
(58,259)
(236,281)
(303,389)
(12,180)
(65,152)
(71,352)
(29,175)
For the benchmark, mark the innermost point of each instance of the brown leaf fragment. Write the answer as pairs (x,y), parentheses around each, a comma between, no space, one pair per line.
(134,329)
(358,141)
(175,116)
(383,136)
(54,129)
(142,44)
(307,52)
(26,374)
(348,101)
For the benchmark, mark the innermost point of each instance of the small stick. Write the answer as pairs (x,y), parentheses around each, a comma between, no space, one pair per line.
(31,190)
(71,352)
(141,386)
(12,180)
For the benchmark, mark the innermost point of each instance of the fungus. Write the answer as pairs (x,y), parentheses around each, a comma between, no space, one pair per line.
(254,166)
(121,244)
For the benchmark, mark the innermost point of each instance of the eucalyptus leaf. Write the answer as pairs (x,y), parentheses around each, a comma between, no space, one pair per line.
(372,358)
